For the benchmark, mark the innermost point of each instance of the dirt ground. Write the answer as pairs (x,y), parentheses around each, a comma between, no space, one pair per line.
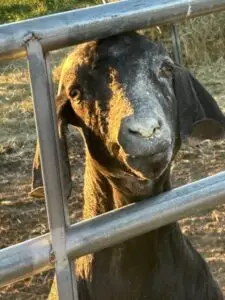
(22,217)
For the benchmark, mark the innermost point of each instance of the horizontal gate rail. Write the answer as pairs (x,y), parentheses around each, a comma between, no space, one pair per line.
(32,256)
(65,29)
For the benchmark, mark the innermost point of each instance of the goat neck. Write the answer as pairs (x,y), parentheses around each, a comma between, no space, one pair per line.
(103,193)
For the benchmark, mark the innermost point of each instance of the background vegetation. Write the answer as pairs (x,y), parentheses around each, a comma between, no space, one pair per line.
(16,10)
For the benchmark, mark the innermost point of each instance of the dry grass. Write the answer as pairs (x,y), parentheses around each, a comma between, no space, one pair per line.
(202,39)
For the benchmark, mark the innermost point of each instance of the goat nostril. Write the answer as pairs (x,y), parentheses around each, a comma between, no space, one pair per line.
(134,131)
(147,133)
(156,129)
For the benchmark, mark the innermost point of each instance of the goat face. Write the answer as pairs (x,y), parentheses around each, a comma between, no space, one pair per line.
(133,105)
(122,97)
(122,94)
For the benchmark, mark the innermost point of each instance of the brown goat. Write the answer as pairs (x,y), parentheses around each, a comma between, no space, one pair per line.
(134,106)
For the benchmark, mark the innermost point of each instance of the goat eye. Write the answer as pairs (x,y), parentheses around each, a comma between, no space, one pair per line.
(166,70)
(74,93)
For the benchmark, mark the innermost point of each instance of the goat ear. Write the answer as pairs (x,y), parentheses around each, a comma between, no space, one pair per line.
(199,116)
(37,189)
(65,116)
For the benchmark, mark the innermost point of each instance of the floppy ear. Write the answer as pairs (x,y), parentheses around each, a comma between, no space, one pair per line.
(65,116)
(199,116)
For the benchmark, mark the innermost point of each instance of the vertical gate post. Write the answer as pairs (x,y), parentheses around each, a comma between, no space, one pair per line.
(45,117)
(176,45)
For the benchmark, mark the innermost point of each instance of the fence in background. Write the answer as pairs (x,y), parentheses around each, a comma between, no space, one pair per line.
(35,38)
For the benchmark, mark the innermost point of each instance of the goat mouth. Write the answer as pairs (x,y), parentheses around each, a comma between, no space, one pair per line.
(152,156)
(150,166)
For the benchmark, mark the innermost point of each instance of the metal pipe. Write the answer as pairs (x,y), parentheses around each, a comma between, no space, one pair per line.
(67,28)
(176,45)
(113,227)
(44,108)
(25,259)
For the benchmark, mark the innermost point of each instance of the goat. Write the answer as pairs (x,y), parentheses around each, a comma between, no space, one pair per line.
(133,106)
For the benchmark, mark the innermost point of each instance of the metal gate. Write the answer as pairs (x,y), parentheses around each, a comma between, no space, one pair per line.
(34,39)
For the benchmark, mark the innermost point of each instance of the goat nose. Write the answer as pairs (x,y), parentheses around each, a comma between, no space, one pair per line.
(144,129)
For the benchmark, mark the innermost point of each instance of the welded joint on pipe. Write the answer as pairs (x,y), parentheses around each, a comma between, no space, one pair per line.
(30,36)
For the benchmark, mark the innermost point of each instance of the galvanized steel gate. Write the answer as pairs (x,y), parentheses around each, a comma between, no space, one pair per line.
(65,242)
